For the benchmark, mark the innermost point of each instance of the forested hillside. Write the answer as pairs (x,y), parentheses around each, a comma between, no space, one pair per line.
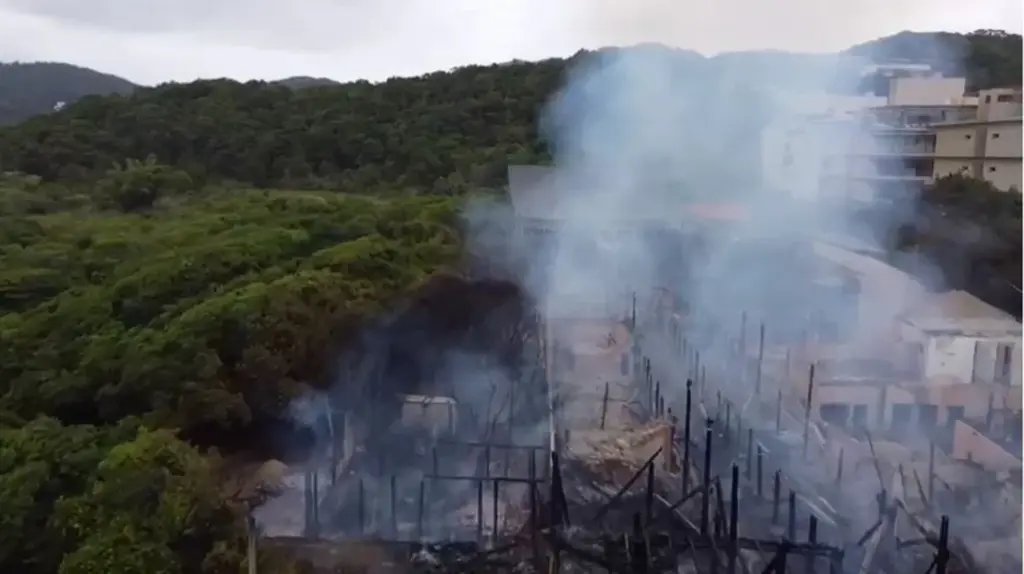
(987,58)
(205,312)
(165,290)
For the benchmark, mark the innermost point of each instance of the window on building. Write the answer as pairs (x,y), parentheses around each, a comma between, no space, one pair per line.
(988,99)
(927,416)
(995,135)
(967,136)
(991,168)
(834,413)
(1005,98)
(900,418)
(955,414)
(860,416)
(1004,362)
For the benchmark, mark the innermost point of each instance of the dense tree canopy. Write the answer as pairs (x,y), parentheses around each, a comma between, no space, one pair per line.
(205,312)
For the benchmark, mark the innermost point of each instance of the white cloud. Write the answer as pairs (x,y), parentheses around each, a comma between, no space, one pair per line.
(159,40)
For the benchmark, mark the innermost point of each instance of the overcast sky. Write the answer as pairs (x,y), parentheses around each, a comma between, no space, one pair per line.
(150,41)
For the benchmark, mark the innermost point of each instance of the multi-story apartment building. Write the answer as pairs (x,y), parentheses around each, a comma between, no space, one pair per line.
(926,128)
(986,146)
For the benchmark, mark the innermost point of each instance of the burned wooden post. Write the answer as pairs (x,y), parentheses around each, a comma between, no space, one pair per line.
(307,497)
(394,507)
(743,337)
(776,493)
(487,461)
(604,404)
(728,423)
(361,505)
(839,470)
(420,509)
(750,453)
(649,495)
(734,518)
(931,472)
(480,512)
(686,436)
(494,513)
(791,522)
(760,362)
(778,413)
(760,472)
(807,408)
(812,538)
(638,548)
(705,500)
(942,552)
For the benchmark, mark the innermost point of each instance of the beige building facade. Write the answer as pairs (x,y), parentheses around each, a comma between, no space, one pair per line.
(926,128)
(987,147)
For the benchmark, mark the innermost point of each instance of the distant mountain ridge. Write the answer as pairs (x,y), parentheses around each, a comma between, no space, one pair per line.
(28,89)
(987,58)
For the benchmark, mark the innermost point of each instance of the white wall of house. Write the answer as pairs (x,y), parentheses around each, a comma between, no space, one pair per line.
(972,358)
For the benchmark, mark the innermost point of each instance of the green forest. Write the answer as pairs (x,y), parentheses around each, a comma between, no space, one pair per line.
(178,263)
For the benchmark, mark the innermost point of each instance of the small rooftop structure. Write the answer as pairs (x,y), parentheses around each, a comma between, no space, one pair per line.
(434,413)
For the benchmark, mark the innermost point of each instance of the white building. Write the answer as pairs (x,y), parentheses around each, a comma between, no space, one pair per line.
(863,147)
(961,339)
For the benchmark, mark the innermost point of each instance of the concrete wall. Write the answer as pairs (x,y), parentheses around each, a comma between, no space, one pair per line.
(947,166)
(880,400)
(1003,140)
(935,91)
(958,142)
(989,151)
(966,359)
(969,444)
(1004,173)
(999,104)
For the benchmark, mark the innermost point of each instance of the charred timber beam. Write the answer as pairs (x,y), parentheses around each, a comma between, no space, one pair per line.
(509,479)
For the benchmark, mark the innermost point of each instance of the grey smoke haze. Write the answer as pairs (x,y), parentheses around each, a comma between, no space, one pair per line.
(637,136)
(181,40)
